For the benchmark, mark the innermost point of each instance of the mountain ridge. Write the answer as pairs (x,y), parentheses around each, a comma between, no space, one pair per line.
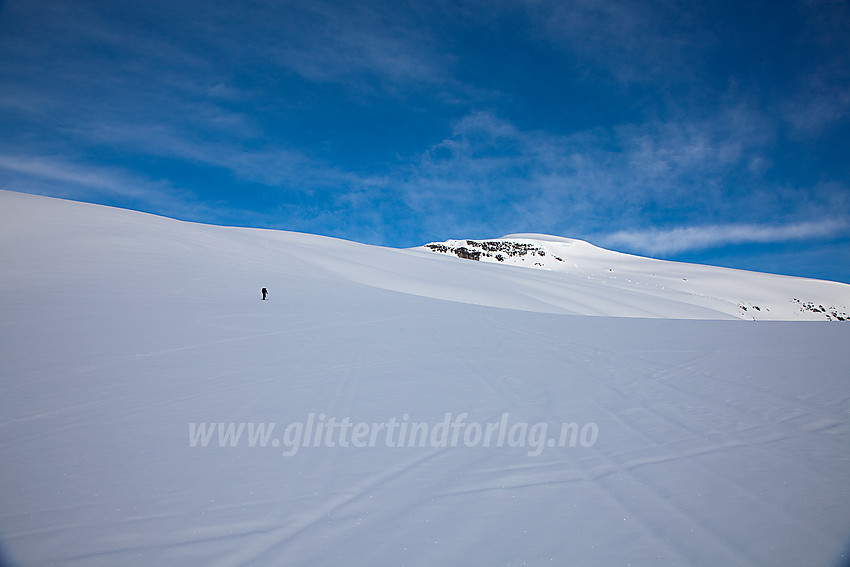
(572,276)
(757,294)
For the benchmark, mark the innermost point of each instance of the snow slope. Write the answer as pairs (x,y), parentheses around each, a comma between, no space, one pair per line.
(594,279)
(717,442)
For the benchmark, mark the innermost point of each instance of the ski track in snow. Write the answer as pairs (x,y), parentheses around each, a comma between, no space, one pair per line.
(720,442)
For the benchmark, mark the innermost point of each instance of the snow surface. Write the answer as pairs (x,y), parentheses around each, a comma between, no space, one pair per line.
(595,281)
(720,442)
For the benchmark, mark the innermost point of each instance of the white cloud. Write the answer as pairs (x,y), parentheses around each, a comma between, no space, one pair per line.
(57,177)
(488,168)
(107,181)
(682,239)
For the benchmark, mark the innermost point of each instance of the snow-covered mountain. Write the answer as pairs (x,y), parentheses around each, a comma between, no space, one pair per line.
(637,283)
(406,407)
(571,276)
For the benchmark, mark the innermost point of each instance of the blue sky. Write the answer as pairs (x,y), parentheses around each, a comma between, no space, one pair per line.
(714,132)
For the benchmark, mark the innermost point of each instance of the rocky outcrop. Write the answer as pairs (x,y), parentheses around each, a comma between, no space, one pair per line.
(497,249)
(830,312)
(468,254)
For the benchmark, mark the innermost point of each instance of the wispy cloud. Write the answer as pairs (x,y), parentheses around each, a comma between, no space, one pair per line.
(58,177)
(106,180)
(347,41)
(686,239)
(524,179)
(820,99)
(636,41)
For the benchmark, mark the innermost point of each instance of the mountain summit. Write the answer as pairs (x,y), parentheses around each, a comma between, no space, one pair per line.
(657,287)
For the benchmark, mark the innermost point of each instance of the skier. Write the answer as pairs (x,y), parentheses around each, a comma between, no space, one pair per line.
(265,293)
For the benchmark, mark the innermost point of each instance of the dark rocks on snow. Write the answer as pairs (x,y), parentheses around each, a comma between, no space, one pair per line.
(830,312)
(468,254)
(499,250)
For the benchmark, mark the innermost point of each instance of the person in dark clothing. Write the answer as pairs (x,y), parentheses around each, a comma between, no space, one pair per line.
(265,293)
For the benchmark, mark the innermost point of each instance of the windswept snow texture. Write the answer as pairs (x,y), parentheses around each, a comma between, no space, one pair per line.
(713,442)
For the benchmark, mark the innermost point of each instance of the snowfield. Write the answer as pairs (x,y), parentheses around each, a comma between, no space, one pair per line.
(595,281)
(435,410)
